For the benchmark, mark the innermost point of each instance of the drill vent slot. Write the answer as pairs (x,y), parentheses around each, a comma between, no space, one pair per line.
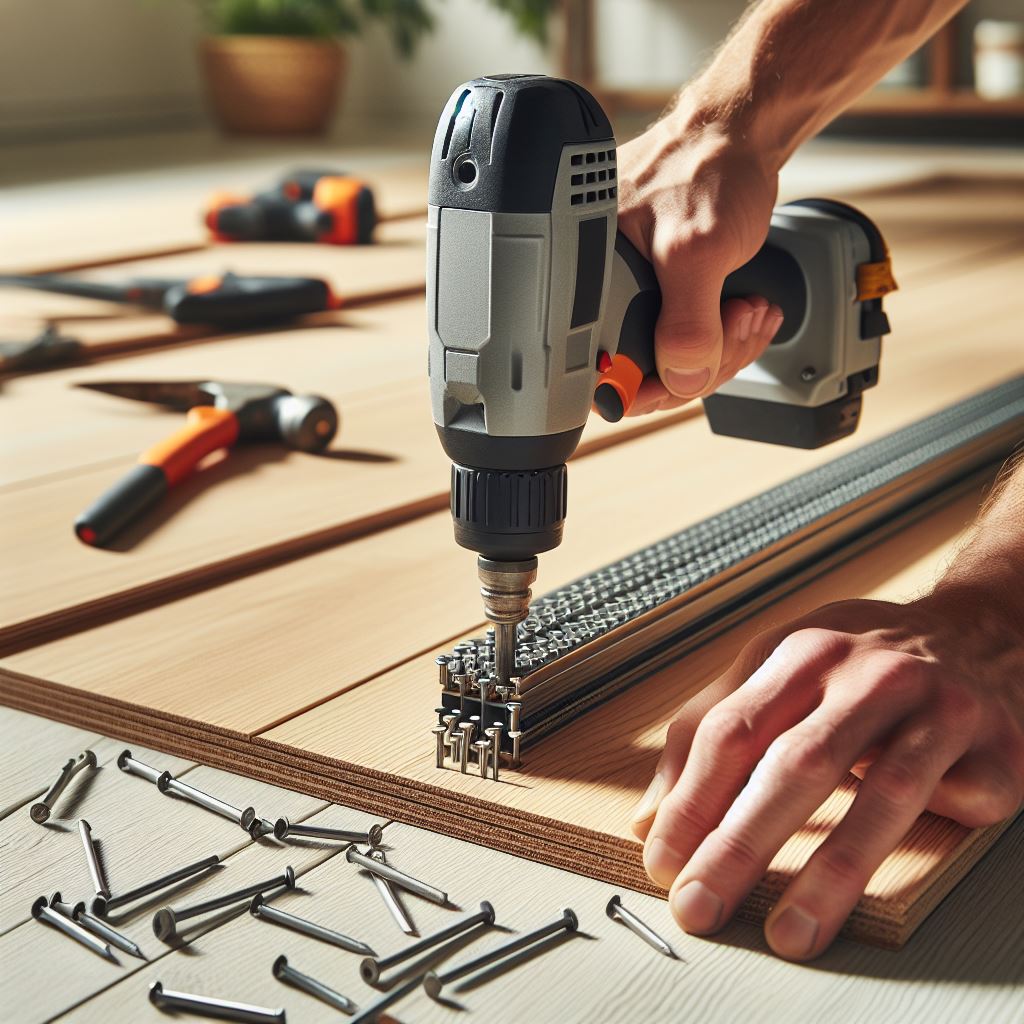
(600,165)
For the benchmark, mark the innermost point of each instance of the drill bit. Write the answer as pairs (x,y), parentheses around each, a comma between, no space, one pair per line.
(505,588)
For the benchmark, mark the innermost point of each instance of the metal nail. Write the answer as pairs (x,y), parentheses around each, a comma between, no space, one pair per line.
(494,734)
(260,827)
(284,828)
(516,738)
(103,906)
(434,983)
(390,897)
(131,766)
(617,912)
(466,728)
(439,733)
(373,967)
(483,749)
(99,882)
(515,710)
(207,1006)
(286,973)
(259,908)
(41,912)
(40,811)
(442,661)
(242,817)
(165,920)
(373,1011)
(400,878)
(77,912)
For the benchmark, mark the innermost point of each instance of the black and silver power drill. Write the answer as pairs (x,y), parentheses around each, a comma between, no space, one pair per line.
(538,309)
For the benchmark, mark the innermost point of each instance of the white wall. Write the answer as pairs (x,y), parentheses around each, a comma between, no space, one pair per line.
(99,66)
(95,67)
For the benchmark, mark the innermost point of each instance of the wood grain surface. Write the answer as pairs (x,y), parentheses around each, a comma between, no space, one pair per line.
(561,809)
(961,965)
(207,531)
(357,274)
(161,212)
(287,673)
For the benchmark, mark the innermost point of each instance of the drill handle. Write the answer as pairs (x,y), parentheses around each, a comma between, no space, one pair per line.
(635,303)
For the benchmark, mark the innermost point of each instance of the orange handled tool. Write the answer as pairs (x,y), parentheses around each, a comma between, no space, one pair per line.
(219,416)
(306,206)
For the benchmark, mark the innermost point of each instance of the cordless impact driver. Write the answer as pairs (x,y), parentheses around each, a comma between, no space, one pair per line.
(538,309)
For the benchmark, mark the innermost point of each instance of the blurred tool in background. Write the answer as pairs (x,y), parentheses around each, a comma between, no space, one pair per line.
(305,206)
(216,300)
(48,348)
(220,415)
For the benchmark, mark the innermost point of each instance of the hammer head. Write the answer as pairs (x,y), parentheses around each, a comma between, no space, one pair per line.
(264,412)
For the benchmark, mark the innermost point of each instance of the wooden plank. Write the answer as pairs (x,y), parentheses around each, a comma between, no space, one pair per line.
(48,427)
(30,950)
(140,832)
(393,264)
(558,796)
(35,750)
(306,502)
(962,965)
(69,225)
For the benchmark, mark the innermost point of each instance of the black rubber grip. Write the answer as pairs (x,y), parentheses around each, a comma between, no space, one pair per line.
(508,516)
(247,301)
(138,490)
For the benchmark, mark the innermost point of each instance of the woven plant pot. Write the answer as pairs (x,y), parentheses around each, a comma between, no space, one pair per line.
(272,85)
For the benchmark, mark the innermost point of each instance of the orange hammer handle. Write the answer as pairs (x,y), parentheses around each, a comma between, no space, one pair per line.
(206,430)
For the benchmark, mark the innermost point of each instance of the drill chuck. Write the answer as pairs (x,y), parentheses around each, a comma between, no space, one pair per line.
(508,515)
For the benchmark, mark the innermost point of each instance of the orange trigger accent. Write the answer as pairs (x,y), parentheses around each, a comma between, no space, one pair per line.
(203,285)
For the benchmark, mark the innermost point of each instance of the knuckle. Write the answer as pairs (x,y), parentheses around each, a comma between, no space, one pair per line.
(681,819)
(957,705)
(811,643)
(896,675)
(841,864)
(806,755)
(896,782)
(739,850)
(727,731)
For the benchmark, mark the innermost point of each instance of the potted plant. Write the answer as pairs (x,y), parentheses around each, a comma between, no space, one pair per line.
(274,67)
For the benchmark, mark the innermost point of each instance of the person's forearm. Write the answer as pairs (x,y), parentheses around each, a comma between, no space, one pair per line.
(985,577)
(791,66)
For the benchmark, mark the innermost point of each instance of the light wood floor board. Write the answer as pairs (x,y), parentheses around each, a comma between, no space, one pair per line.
(30,765)
(162,212)
(30,950)
(394,264)
(561,810)
(306,501)
(961,964)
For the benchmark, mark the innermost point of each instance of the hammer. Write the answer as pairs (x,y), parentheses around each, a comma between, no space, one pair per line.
(220,415)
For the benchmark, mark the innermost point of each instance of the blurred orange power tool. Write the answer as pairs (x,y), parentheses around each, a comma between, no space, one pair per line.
(305,206)
(220,415)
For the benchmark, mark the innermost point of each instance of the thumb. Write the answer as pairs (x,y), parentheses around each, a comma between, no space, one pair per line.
(688,339)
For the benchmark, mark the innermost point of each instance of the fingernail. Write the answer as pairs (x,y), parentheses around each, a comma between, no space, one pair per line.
(772,322)
(793,933)
(650,800)
(661,862)
(697,908)
(686,383)
(746,325)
